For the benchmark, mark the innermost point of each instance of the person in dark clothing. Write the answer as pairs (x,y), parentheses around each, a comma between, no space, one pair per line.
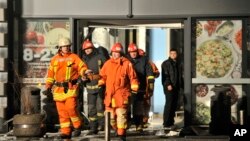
(94,61)
(171,81)
(146,77)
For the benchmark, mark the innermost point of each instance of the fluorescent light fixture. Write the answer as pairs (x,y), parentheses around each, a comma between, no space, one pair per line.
(136,26)
(165,25)
(112,27)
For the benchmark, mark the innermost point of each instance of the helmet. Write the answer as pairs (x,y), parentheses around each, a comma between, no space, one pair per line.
(87,44)
(132,47)
(64,41)
(141,52)
(117,47)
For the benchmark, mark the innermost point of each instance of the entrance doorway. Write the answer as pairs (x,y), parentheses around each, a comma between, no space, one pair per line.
(154,37)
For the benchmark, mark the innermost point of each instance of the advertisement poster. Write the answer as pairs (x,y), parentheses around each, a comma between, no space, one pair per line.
(219,49)
(40,41)
(218,56)
(203,105)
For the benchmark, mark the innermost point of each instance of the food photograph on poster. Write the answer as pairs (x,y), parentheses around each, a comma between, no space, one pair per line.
(39,46)
(218,49)
(206,94)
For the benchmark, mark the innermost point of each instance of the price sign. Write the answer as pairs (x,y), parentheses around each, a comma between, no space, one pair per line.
(44,55)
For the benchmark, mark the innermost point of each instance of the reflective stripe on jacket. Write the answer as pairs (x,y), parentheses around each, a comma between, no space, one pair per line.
(64,69)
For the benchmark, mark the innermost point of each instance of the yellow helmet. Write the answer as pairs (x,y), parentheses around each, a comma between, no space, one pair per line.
(64,41)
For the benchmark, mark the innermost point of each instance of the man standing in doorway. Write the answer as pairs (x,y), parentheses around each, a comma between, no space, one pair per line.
(172,82)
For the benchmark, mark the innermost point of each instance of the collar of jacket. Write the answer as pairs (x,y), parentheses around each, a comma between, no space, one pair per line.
(118,60)
(172,59)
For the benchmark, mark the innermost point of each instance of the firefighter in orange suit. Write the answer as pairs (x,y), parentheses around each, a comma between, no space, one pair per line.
(64,70)
(149,94)
(120,79)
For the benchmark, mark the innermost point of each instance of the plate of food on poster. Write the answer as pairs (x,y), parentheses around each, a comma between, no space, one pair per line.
(217,48)
(215,58)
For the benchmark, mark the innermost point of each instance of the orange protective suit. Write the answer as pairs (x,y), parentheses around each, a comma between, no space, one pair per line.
(120,78)
(65,69)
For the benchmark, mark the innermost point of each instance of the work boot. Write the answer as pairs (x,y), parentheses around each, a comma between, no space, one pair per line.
(172,127)
(64,136)
(139,128)
(113,132)
(92,132)
(76,132)
(145,125)
(122,137)
(100,128)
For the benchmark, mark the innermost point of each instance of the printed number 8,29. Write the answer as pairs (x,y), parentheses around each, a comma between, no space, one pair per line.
(28,55)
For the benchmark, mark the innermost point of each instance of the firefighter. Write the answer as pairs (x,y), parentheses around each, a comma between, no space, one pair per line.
(120,79)
(145,77)
(64,70)
(94,61)
(149,94)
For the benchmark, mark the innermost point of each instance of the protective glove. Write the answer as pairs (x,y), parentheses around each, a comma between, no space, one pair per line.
(88,71)
(151,87)
(91,76)
(133,92)
(47,92)
(101,91)
(85,79)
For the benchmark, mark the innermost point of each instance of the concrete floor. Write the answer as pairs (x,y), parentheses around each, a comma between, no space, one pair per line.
(154,132)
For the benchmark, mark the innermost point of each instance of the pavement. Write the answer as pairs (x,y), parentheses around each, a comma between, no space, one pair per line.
(154,132)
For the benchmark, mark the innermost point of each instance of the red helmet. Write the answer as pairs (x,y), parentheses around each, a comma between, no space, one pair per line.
(132,47)
(117,47)
(141,52)
(87,44)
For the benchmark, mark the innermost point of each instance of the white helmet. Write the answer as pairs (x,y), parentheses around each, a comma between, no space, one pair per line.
(64,41)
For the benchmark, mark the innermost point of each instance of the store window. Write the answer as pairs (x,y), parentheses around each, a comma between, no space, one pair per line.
(39,45)
(219,56)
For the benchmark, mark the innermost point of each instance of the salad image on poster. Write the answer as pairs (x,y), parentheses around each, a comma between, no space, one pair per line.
(218,49)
